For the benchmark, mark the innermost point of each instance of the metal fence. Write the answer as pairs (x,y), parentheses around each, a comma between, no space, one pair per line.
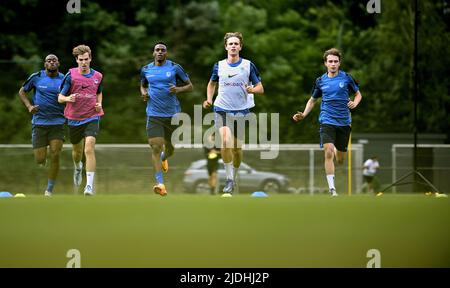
(127,168)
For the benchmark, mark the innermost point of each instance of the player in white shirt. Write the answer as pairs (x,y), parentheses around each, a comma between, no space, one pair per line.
(369,170)
(238,80)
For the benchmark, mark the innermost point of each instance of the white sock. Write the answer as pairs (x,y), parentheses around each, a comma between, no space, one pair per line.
(330,180)
(229,170)
(90,178)
(78,165)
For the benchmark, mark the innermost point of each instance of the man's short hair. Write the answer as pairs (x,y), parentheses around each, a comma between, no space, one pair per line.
(233,34)
(332,51)
(80,50)
(51,56)
(159,42)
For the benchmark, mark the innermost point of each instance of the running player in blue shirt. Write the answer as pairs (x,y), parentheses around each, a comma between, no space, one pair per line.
(334,87)
(159,89)
(48,116)
(238,80)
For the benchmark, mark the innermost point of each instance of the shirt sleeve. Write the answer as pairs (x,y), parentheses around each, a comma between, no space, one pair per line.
(144,81)
(255,78)
(100,87)
(215,73)
(352,84)
(65,84)
(316,92)
(29,84)
(181,74)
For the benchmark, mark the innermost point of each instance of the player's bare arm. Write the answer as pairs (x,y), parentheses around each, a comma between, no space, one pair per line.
(309,106)
(356,100)
(257,89)
(144,93)
(63,99)
(210,90)
(23,96)
(180,89)
(98,105)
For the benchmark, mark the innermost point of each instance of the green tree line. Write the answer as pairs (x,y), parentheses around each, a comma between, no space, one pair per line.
(284,38)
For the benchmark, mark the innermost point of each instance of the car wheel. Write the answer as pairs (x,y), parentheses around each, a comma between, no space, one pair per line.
(270,186)
(202,187)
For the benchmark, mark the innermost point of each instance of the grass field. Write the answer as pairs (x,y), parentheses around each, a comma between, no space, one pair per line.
(206,231)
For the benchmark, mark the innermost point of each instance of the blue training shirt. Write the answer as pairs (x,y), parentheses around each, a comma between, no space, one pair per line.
(45,95)
(161,102)
(64,90)
(335,93)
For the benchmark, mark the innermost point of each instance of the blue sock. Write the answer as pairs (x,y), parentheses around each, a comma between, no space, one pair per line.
(163,156)
(50,185)
(159,177)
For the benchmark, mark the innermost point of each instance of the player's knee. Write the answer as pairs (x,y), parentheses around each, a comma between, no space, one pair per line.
(54,155)
(329,153)
(89,150)
(77,153)
(54,152)
(40,160)
(156,148)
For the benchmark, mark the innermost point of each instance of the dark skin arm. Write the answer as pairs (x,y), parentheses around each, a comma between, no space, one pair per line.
(144,93)
(173,89)
(23,97)
(180,89)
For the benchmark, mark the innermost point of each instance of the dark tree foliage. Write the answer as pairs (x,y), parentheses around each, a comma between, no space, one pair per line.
(284,38)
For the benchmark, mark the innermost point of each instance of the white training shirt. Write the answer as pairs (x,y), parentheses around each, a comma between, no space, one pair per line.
(372,166)
(232,94)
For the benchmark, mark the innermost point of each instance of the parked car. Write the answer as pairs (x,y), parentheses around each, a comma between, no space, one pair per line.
(250,180)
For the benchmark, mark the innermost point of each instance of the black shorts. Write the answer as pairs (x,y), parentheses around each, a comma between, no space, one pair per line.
(222,119)
(160,127)
(77,133)
(41,135)
(367,179)
(212,165)
(338,135)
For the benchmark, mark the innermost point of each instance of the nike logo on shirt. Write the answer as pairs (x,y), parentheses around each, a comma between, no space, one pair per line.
(230,76)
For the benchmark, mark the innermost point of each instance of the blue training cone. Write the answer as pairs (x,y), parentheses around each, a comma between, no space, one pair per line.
(5,194)
(259,194)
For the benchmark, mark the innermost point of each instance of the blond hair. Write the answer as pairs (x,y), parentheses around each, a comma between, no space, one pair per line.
(233,34)
(332,51)
(80,50)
